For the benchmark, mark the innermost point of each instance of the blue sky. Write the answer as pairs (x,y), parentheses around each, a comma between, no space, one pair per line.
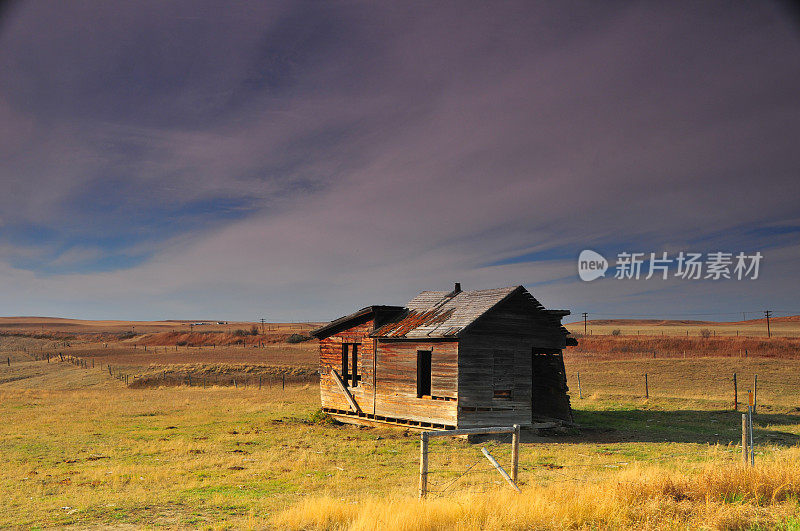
(298,160)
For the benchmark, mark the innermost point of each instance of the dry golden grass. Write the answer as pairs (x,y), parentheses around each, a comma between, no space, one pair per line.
(642,497)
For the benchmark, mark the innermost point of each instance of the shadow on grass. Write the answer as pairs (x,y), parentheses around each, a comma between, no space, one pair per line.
(683,426)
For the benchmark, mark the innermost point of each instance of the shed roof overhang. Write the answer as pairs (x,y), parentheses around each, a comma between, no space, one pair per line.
(364,314)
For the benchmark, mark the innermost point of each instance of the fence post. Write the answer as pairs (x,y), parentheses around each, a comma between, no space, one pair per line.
(515,453)
(259,383)
(744,438)
(423,465)
(283,381)
(646,387)
(735,394)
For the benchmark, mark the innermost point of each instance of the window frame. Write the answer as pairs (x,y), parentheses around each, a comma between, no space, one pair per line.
(349,364)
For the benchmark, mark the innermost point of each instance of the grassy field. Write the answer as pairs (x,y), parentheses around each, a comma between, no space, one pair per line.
(785,326)
(83,449)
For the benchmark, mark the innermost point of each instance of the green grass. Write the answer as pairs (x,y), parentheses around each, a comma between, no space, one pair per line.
(99,454)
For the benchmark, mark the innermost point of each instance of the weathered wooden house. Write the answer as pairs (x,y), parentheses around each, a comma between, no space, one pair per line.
(448,359)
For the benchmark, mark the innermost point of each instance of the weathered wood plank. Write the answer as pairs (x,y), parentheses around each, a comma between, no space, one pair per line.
(350,400)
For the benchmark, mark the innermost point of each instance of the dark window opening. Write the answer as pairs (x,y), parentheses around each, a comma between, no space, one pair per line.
(503,394)
(350,375)
(354,376)
(545,351)
(423,373)
(345,370)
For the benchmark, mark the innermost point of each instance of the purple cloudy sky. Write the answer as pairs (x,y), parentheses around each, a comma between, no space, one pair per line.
(301,160)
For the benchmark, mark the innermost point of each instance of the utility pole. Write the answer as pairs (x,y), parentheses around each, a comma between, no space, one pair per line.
(768,314)
(585,315)
(262,324)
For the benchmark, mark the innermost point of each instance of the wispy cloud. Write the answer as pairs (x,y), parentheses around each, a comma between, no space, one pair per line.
(301,159)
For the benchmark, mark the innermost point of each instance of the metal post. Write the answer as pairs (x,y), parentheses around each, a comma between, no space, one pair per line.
(755,391)
(752,448)
(423,465)
(750,426)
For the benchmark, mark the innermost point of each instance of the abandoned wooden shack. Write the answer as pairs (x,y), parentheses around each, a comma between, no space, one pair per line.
(448,359)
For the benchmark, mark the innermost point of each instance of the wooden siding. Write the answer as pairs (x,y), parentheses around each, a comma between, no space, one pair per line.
(517,317)
(482,361)
(496,354)
(391,390)
(396,392)
(330,350)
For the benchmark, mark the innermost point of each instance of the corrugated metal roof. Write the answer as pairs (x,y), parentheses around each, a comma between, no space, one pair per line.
(442,313)
(437,314)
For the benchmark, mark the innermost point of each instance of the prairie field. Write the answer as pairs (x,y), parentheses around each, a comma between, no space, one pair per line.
(84,449)
(784,326)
